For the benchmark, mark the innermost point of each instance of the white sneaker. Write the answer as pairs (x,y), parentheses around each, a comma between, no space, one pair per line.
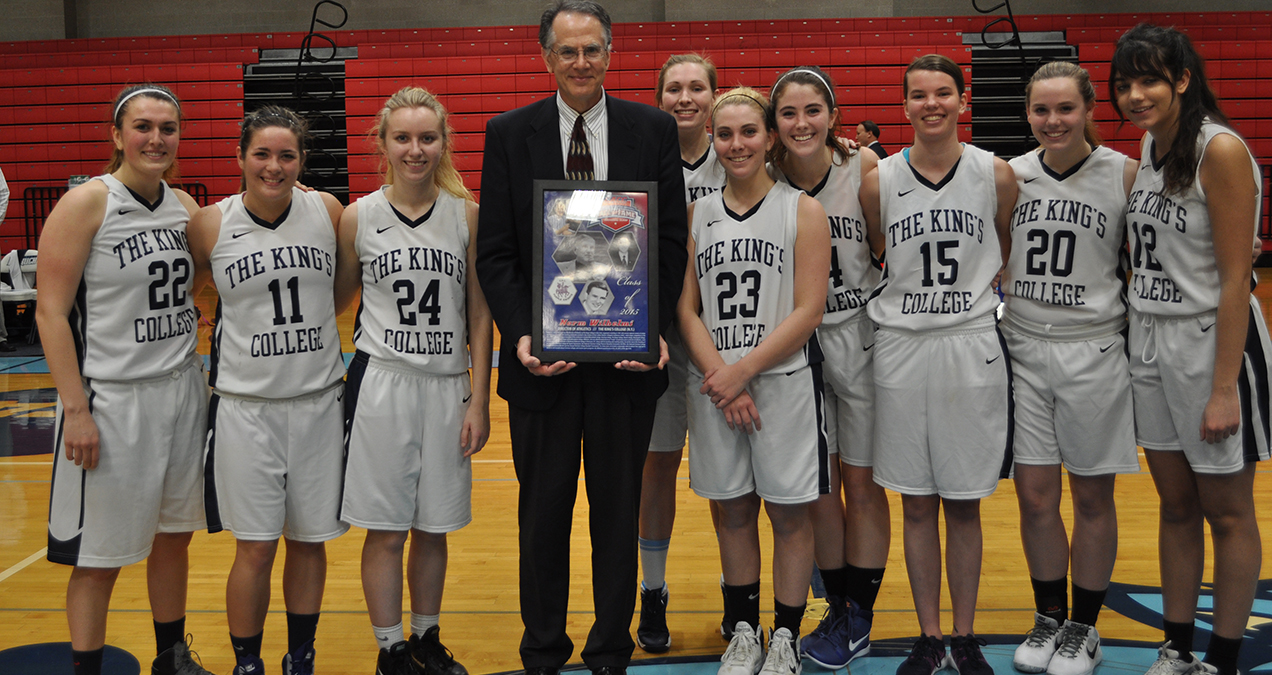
(1033,655)
(745,654)
(1169,662)
(1077,652)
(783,654)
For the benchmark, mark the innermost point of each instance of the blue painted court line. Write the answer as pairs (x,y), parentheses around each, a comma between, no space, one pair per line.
(23,364)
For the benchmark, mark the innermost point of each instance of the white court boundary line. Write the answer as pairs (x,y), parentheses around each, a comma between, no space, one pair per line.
(24,564)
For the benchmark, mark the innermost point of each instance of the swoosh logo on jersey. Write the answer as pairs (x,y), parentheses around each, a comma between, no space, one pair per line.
(1030,180)
(236,235)
(989,361)
(712,222)
(1105,349)
(124,212)
(868,347)
(902,194)
(466,398)
(1207,328)
(386,229)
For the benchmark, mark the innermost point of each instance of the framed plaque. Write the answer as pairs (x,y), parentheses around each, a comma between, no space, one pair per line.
(596,266)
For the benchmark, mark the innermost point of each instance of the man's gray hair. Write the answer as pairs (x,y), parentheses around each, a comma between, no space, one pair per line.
(547,38)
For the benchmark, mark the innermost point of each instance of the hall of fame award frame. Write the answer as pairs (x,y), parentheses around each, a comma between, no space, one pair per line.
(596,266)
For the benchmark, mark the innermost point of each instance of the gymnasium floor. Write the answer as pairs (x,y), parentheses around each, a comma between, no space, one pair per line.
(480,620)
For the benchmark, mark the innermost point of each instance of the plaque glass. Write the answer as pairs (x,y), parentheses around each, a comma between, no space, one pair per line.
(596,266)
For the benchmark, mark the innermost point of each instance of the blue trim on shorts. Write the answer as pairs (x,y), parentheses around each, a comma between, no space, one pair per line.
(211,506)
(1009,455)
(1254,393)
(819,407)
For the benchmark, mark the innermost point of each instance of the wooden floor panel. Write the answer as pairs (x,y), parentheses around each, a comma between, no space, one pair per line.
(480,620)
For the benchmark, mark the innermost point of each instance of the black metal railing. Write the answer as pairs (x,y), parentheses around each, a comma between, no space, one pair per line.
(38,202)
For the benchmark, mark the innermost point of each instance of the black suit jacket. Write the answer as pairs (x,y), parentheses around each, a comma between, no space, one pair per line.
(878,149)
(525,144)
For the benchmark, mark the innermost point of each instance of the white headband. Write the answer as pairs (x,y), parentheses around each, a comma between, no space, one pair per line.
(120,106)
(814,74)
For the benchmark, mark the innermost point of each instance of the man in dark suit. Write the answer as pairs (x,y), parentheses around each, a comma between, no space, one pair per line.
(868,137)
(552,406)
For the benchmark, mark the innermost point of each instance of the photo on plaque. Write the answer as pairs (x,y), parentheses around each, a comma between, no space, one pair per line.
(596,263)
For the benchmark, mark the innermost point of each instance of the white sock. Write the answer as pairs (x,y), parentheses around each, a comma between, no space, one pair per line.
(653,562)
(387,637)
(420,623)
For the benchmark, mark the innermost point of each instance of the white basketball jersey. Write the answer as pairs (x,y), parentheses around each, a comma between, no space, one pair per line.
(942,249)
(704,176)
(276,320)
(745,266)
(414,275)
(1172,245)
(1067,241)
(133,316)
(852,275)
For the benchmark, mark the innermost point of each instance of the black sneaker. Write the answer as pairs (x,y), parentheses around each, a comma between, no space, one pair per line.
(431,657)
(651,633)
(966,656)
(178,660)
(926,657)
(301,661)
(396,660)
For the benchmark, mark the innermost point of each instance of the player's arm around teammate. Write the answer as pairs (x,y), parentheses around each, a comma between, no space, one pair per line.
(742,368)
(686,90)
(125,382)
(1064,323)
(274,445)
(408,471)
(938,360)
(852,544)
(1196,337)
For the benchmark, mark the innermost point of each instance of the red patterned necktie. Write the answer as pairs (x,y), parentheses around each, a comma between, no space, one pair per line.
(578,163)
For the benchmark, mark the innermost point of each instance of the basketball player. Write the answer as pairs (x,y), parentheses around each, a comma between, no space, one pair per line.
(759,255)
(940,209)
(409,247)
(1064,323)
(686,90)
(851,551)
(1199,346)
(274,451)
(116,315)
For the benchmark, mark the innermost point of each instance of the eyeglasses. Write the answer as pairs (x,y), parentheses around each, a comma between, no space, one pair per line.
(592,52)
